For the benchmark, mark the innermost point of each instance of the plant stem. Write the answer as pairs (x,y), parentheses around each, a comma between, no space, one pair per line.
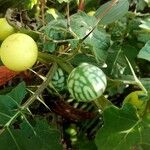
(42,2)
(102,103)
(98,106)
(40,89)
(12,118)
(68,21)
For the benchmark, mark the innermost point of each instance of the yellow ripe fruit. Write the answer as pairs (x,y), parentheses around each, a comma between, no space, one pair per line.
(53,12)
(91,13)
(5,29)
(19,52)
(134,99)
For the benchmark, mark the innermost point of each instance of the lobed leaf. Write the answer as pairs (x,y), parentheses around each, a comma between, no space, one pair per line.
(123,129)
(10,102)
(46,137)
(85,144)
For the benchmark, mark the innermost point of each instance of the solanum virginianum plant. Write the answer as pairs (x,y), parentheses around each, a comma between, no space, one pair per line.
(86,82)
(19,52)
(5,29)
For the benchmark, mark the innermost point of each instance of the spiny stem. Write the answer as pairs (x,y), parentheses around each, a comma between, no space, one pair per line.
(33,97)
(40,89)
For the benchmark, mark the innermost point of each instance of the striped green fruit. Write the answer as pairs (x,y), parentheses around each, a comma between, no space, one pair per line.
(86,82)
(58,80)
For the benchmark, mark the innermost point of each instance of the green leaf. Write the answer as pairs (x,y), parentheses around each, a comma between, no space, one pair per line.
(18,93)
(27,4)
(140,5)
(10,102)
(48,58)
(116,63)
(49,46)
(118,29)
(123,129)
(145,147)
(56,29)
(143,36)
(114,87)
(46,137)
(145,52)
(115,13)
(81,58)
(148,2)
(85,144)
(98,41)
(131,53)
(146,82)
(81,23)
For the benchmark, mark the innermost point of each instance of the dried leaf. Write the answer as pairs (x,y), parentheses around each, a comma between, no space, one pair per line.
(6,75)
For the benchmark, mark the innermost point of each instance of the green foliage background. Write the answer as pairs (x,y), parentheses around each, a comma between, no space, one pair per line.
(113,39)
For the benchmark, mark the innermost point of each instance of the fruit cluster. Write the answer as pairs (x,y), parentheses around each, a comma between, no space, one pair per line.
(18,51)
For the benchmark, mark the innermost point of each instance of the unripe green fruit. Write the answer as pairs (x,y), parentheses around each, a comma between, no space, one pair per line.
(19,52)
(58,80)
(134,99)
(5,29)
(86,82)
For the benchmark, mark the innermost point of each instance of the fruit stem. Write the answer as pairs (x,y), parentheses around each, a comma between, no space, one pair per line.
(102,103)
(98,106)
